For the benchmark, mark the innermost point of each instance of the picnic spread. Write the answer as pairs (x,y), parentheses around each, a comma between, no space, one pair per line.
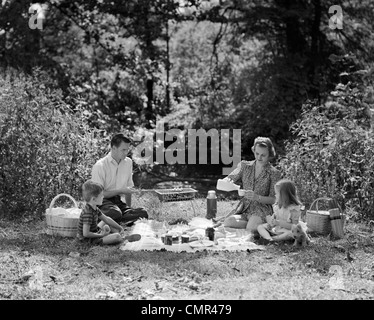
(153,235)
(196,235)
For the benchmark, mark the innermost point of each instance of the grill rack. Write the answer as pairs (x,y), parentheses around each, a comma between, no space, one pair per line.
(175,194)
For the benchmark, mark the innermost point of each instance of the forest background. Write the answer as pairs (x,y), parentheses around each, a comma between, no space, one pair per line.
(286,69)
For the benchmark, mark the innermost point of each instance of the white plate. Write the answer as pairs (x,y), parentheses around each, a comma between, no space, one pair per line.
(201,243)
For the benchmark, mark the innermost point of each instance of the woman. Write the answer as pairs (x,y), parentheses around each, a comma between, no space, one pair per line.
(258,178)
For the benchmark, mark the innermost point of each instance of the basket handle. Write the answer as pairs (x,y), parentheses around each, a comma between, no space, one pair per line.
(323,198)
(59,195)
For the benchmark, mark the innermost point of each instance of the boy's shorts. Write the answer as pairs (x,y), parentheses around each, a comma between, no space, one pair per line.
(92,241)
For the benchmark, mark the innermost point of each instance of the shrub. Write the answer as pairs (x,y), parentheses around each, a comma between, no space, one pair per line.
(46,147)
(332,149)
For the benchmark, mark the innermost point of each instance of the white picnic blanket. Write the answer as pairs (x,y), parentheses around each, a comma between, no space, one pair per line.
(228,238)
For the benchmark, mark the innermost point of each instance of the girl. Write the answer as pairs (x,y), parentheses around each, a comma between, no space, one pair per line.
(287,211)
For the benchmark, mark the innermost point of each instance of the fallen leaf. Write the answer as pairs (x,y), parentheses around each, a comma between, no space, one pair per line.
(74,254)
(89,265)
(339,248)
(349,257)
(158,286)
(193,285)
(112,294)
(363,290)
(100,295)
(172,289)
(149,292)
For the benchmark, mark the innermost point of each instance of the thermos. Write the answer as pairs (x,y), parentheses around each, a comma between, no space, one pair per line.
(209,232)
(211,204)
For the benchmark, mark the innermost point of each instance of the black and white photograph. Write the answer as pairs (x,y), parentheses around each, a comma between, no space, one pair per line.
(186,155)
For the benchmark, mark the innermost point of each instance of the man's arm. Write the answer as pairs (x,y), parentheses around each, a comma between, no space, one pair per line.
(112,193)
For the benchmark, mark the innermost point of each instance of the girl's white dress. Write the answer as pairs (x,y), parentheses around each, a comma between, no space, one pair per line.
(290,214)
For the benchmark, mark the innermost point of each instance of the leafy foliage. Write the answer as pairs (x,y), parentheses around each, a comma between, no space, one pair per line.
(332,150)
(47,148)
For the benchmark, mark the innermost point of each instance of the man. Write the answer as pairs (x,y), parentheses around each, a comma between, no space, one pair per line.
(114,173)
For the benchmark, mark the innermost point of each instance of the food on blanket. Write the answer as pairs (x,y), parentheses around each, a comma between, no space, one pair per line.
(209,232)
(221,229)
(106,229)
(175,239)
(198,234)
(177,221)
(168,240)
(185,238)
(201,243)
(199,222)
(175,233)
(218,235)
(163,238)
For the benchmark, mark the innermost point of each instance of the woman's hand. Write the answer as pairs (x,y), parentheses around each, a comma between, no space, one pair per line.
(249,194)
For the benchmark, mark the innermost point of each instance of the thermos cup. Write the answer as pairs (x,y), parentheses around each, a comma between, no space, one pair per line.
(211,206)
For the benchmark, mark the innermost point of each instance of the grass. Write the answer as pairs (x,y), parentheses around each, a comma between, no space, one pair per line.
(34,265)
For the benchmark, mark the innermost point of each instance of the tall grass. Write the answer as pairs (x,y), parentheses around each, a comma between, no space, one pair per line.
(169,211)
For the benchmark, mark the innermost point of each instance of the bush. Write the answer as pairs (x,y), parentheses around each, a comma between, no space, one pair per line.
(332,149)
(46,147)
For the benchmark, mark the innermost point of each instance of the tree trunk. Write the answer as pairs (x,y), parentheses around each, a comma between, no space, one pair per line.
(314,57)
(149,110)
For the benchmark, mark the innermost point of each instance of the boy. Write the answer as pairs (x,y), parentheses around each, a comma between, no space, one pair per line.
(88,228)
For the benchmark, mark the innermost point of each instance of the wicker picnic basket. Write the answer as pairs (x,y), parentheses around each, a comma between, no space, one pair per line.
(319,220)
(66,226)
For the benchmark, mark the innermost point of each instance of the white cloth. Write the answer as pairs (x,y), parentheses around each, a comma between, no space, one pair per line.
(112,175)
(151,231)
(290,214)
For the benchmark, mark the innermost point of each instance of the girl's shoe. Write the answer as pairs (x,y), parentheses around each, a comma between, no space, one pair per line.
(265,242)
